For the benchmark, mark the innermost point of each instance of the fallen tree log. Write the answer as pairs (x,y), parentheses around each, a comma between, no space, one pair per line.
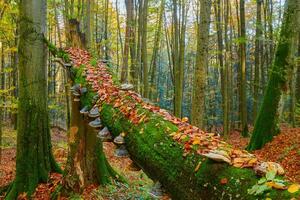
(189,163)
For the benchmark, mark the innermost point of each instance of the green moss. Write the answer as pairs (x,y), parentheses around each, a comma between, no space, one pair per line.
(162,159)
(56,52)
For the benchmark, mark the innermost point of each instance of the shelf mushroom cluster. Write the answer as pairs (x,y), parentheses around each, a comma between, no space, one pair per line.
(93,115)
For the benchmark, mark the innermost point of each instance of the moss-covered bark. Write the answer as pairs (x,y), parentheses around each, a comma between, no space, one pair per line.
(34,157)
(266,124)
(162,159)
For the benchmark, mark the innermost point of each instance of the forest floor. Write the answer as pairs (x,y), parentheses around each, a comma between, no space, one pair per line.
(138,186)
(284,149)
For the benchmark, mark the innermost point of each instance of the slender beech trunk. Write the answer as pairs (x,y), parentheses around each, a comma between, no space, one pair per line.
(217,7)
(106,52)
(89,24)
(144,57)
(34,157)
(226,97)
(297,92)
(156,46)
(124,71)
(175,58)
(1,97)
(266,125)
(139,43)
(258,53)
(198,99)
(243,81)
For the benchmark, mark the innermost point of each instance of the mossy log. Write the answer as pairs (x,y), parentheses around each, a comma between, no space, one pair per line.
(184,177)
(151,146)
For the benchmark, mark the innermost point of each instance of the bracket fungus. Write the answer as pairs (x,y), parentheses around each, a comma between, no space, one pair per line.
(105,135)
(96,123)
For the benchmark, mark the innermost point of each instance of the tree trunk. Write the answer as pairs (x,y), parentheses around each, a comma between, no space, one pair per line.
(266,125)
(144,57)
(86,163)
(226,100)
(1,98)
(243,81)
(297,92)
(89,24)
(156,46)
(198,106)
(34,157)
(176,61)
(124,70)
(258,52)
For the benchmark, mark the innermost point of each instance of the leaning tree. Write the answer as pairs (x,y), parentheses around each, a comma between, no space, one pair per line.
(266,124)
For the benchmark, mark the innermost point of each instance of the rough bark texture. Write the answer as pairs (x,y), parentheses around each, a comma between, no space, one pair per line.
(34,157)
(258,52)
(198,99)
(266,125)
(243,94)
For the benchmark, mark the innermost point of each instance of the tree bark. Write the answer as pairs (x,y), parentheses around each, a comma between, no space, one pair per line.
(34,157)
(198,99)
(243,81)
(258,52)
(266,125)
(144,56)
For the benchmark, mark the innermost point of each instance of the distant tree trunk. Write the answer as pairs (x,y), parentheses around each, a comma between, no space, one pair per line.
(258,52)
(217,7)
(34,157)
(270,32)
(57,24)
(89,24)
(178,53)
(156,46)
(119,40)
(139,43)
(132,45)
(181,64)
(198,99)
(243,96)
(175,60)
(266,125)
(106,30)
(124,70)
(144,57)
(227,88)
(1,98)
(297,92)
